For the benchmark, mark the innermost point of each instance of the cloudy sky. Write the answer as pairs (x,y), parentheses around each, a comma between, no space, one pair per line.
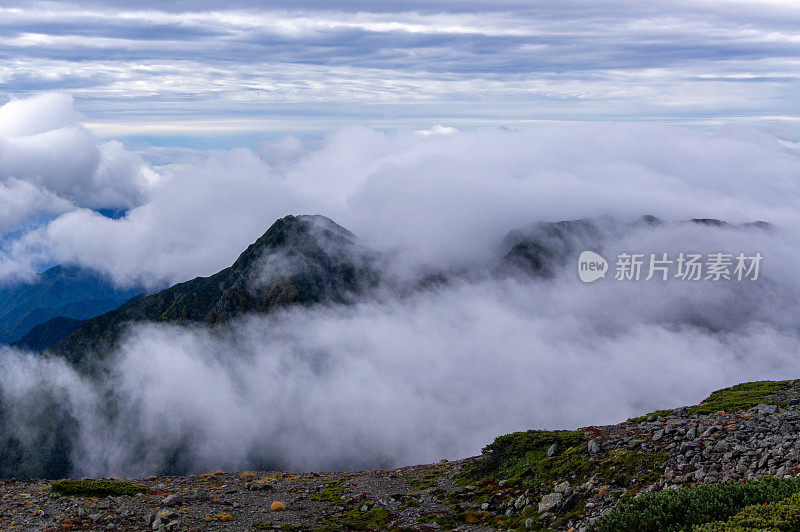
(173,71)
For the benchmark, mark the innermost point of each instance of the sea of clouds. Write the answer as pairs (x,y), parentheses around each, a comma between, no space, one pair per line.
(399,377)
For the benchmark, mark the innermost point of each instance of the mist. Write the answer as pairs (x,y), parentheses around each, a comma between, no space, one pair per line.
(411,371)
(402,377)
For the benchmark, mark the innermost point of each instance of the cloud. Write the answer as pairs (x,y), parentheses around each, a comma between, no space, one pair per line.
(445,200)
(406,375)
(243,64)
(399,379)
(50,164)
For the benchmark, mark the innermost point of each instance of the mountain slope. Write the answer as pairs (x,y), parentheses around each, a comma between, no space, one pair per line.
(61,291)
(46,334)
(299,260)
(729,463)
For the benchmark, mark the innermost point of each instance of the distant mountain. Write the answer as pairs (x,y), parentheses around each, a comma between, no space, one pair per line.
(544,248)
(46,334)
(61,291)
(299,260)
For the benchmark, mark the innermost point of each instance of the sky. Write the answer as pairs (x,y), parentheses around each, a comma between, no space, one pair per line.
(221,74)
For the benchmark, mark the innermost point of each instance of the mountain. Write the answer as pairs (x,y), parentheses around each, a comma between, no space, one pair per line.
(544,248)
(61,291)
(299,260)
(46,334)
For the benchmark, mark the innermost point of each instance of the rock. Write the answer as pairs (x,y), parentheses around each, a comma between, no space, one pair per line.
(562,487)
(550,501)
(172,500)
(593,447)
(552,450)
(166,521)
(529,523)
(767,409)
(199,494)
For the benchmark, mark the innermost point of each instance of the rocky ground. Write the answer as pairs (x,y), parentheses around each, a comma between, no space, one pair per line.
(561,480)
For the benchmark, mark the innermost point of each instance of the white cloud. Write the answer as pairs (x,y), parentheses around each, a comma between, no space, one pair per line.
(360,386)
(50,164)
(396,380)
(444,199)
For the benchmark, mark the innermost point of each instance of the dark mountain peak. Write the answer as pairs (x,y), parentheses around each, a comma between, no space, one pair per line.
(299,260)
(300,234)
(544,247)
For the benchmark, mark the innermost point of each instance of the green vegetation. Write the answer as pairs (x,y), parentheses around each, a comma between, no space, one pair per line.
(521,457)
(657,413)
(95,488)
(443,521)
(740,397)
(686,508)
(428,478)
(332,492)
(355,519)
(524,455)
(781,515)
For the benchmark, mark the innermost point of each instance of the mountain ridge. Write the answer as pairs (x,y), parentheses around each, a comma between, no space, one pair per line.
(60,291)
(299,260)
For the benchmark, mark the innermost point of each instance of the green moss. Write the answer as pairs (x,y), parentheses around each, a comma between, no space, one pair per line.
(443,521)
(524,454)
(427,478)
(683,509)
(626,468)
(373,519)
(522,457)
(740,397)
(95,488)
(332,492)
(657,413)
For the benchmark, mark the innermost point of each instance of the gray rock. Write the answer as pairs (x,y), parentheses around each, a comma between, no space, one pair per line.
(550,501)
(593,447)
(166,521)
(767,409)
(562,487)
(172,500)
(552,450)
(199,494)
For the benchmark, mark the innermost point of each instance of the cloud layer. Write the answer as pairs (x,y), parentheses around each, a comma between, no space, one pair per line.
(401,379)
(444,198)
(403,376)
(215,67)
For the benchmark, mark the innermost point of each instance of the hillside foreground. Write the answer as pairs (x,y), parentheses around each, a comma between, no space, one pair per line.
(730,463)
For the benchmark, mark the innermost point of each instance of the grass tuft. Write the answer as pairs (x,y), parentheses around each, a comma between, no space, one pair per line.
(95,488)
